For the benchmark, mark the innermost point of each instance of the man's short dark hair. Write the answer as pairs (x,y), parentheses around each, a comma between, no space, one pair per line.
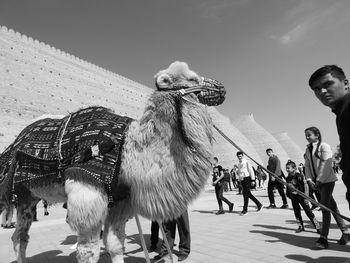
(268,150)
(334,70)
(239,153)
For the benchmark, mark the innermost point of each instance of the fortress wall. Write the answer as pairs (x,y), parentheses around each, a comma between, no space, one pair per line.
(295,153)
(37,79)
(261,139)
(226,152)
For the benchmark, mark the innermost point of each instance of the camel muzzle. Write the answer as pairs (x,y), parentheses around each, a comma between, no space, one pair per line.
(209,91)
(212,92)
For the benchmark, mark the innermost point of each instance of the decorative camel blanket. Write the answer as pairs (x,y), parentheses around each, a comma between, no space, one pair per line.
(87,142)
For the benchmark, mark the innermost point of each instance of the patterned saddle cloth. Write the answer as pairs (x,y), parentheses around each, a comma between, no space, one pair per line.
(89,140)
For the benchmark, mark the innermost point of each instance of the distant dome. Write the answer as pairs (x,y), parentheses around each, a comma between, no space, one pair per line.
(226,152)
(295,153)
(260,138)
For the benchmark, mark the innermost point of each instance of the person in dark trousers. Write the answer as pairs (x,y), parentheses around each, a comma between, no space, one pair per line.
(320,177)
(154,235)
(218,178)
(296,181)
(247,177)
(183,226)
(238,183)
(227,178)
(274,166)
(331,87)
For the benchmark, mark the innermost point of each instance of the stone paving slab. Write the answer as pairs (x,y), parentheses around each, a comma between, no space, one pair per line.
(268,236)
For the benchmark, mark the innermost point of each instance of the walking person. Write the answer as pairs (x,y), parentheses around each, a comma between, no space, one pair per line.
(320,177)
(154,236)
(183,227)
(238,182)
(296,181)
(247,177)
(274,166)
(227,178)
(218,183)
(331,87)
(261,176)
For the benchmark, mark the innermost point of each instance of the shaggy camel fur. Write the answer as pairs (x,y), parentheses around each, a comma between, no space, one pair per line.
(166,161)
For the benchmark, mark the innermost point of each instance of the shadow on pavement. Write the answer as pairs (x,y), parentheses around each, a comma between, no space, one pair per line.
(296,240)
(70,240)
(52,257)
(214,211)
(306,259)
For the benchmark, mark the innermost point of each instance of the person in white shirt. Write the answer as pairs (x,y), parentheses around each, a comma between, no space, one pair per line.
(247,177)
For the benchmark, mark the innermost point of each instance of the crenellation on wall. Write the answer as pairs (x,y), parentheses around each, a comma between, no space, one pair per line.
(40,79)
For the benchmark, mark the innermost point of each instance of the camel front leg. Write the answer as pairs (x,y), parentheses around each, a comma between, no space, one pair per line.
(88,248)
(113,239)
(86,212)
(20,238)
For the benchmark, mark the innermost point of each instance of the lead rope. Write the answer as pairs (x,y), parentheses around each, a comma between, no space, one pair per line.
(280,180)
(143,243)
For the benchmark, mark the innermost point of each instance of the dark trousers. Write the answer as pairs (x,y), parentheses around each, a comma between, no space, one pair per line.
(296,203)
(219,191)
(229,183)
(248,194)
(326,191)
(154,233)
(183,227)
(346,181)
(279,187)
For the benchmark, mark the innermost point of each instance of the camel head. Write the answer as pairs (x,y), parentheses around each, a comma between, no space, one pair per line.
(180,79)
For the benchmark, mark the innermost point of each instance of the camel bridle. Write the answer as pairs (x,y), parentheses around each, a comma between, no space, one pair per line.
(209,91)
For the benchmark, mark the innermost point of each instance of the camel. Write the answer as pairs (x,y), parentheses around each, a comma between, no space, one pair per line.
(165,163)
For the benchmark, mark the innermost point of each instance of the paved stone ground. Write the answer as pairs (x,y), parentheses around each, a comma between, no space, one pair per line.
(268,236)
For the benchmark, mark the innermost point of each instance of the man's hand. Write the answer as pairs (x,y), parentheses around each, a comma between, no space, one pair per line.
(272,178)
(312,185)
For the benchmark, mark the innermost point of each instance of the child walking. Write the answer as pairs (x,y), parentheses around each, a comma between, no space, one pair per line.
(295,181)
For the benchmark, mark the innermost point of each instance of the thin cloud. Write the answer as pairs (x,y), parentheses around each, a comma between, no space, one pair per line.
(213,9)
(310,18)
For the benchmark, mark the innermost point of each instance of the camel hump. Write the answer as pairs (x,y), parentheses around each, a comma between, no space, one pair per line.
(178,68)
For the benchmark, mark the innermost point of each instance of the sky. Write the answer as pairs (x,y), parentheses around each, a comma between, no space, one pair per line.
(263,51)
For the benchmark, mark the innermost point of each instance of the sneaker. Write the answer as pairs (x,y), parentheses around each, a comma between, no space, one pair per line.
(284,206)
(230,207)
(322,243)
(220,212)
(345,238)
(272,206)
(260,207)
(300,229)
(243,213)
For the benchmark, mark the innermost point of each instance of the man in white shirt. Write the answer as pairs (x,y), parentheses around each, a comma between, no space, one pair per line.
(247,178)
